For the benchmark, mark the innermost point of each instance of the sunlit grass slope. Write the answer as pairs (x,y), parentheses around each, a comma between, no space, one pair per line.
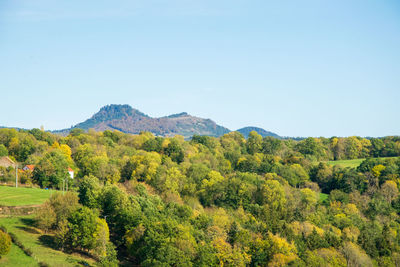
(40,244)
(21,196)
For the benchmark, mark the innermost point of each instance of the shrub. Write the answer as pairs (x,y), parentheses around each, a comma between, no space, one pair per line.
(5,243)
(45,217)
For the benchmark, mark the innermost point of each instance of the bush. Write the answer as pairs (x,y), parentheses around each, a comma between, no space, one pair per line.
(45,217)
(5,243)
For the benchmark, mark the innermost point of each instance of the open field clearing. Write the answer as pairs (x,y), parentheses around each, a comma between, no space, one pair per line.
(22,196)
(352,163)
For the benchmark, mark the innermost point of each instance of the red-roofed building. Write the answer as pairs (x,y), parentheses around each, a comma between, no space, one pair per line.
(29,168)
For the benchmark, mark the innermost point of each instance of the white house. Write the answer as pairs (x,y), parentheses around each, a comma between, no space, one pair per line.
(71,173)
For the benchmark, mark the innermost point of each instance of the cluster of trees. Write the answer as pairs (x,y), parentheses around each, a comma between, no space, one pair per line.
(76,227)
(217,201)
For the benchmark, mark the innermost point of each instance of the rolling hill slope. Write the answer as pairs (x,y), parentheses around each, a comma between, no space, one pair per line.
(126,119)
(246,130)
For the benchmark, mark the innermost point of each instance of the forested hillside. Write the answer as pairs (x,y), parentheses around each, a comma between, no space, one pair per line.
(227,201)
(247,130)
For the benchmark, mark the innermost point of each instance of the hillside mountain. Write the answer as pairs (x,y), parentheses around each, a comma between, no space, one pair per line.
(246,130)
(126,119)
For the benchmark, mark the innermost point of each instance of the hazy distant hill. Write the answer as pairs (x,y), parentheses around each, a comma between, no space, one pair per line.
(246,130)
(129,120)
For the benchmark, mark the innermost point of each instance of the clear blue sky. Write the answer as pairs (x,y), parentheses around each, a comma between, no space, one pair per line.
(298,68)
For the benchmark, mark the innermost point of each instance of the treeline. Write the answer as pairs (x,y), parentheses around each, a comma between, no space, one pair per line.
(156,201)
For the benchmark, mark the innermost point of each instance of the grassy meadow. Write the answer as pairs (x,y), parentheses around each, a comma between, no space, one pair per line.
(16,257)
(352,163)
(22,196)
(39,243)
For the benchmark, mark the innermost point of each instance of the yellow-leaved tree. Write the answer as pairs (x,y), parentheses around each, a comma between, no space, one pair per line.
(282,252)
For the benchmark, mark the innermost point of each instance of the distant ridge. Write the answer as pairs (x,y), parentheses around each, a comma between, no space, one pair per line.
(246,131)
(126,119)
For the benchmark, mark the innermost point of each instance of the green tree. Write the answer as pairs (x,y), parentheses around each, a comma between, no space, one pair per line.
(101,238)
(308,200)
(316,241)
(110,259)
(63,205)
(212,188)
(154,144)
(355,256)
(103,168)
(271,145)
(325,257)
(311,146)
(46,217)
(52,170)
(120,210)
(389,191)
(82,157)
(270,211)
(174,151)
(22,146)
(174,181)
(3,151)
(274,199)
(353,147)
(377,147)
(82,226)
(294,174)
(254,142)
(142,167)
(249,163)
(89,191)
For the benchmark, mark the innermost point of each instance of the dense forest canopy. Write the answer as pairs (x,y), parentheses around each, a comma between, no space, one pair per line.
(230,201)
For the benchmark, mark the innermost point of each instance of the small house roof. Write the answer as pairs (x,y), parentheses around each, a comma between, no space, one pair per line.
(30,167)
(6,162)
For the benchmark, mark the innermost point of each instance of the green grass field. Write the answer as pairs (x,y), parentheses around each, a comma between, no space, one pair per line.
(40,244)
(352,163)
(23,228)
(16,257)
(21,196)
